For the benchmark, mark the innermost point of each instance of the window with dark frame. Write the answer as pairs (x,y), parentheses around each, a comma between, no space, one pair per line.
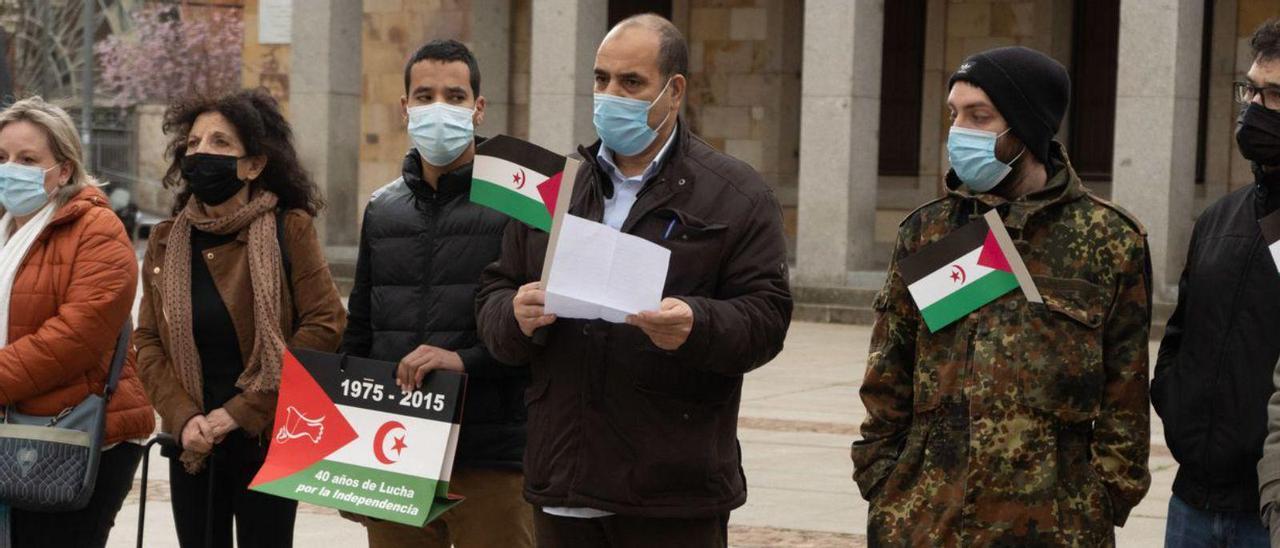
(1202,122)
(622,9)
(1095,43)
(901,87)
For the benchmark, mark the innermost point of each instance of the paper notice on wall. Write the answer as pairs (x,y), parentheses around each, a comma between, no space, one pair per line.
(275,21)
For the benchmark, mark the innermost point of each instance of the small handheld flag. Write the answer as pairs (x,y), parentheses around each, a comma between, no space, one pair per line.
(972,266)
(1271,234)
(518,178)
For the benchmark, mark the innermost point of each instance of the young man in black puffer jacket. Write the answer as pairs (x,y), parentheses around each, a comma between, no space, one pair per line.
(423,245)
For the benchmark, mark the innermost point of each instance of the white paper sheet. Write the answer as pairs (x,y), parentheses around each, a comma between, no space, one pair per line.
(597,272)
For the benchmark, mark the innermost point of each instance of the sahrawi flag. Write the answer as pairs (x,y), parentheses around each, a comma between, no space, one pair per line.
(518,178)
(970,267)
(347,438)
(1271,233)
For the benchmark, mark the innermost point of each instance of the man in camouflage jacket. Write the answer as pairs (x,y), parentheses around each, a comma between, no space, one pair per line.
(1021,424)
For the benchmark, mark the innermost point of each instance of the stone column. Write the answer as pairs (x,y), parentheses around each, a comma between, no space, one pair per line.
(839,147)
(1157,97)
(566,34)
(491,44)
(1220,129)
(324,97)
(933,100)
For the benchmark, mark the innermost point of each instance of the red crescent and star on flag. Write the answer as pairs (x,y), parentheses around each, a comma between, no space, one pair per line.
(957,274)
(379,441)
(518,179)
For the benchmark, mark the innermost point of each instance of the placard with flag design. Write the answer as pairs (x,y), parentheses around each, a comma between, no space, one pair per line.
(346,437)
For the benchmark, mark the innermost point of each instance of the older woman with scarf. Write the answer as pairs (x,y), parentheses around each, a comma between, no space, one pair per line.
(236,276)
(68,276)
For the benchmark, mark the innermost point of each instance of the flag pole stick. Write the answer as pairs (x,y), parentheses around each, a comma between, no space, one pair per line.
(563,197)
(1025,282)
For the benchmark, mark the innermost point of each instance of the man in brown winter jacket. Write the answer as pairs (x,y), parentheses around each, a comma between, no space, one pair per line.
(633,427)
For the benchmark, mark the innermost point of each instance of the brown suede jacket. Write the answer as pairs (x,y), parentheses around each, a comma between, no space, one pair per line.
(316,321)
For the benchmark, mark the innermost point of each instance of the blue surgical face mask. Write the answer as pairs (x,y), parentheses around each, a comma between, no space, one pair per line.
(441,132)
(972,153)
(623,123)
(22,188)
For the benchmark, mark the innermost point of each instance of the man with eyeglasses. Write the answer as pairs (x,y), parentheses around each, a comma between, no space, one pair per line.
(1260,141)
(1214,370)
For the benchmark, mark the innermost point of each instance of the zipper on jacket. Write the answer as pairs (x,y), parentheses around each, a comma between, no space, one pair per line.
(1219,361)
(431,224)
(964,482)
(579,440)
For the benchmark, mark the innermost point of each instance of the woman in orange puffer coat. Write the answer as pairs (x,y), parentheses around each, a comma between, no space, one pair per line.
(68,276)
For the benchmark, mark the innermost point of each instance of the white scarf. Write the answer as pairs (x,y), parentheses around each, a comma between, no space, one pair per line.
(13,251)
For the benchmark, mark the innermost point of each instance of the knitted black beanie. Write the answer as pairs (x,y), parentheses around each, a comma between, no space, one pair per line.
(1029,88)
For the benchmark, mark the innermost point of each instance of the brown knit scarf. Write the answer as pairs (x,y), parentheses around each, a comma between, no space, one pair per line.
(262,366)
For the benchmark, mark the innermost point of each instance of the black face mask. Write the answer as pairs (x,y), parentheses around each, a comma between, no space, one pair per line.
(1258,134)
(211,178)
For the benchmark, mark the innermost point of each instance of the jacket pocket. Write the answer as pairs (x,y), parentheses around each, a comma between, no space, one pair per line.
(696,246)
(1085,512)
(687,452)
(685,384)
(910,462)
(682,459)
(536,390)
(939,372)
(683,225)
(1057,355)
(538,431)
(901,511)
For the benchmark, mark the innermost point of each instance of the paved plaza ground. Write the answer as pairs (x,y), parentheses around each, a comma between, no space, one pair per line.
(799,415)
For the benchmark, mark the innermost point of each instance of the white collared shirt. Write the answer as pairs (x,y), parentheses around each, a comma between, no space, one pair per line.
(627,189)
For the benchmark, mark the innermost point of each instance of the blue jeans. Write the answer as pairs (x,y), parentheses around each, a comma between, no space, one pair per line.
(1188,527)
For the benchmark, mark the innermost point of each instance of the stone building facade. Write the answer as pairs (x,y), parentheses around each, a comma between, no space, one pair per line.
(839,103)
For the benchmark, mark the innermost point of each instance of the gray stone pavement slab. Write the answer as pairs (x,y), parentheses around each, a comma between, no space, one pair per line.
(798,417)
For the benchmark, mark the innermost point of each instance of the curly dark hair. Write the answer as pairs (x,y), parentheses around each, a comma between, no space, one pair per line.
(264,132)
(1266,41)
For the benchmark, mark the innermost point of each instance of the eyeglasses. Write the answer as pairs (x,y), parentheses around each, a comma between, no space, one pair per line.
(1246,93)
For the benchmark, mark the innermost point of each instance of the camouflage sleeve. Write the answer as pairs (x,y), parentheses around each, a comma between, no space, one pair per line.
(1122,432)
(887,385)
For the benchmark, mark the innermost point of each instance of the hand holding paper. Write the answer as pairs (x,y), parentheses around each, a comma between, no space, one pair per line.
(668,327)
(527,306)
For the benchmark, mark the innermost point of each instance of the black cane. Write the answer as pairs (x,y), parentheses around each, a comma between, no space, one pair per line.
(208,500)
(165,441)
